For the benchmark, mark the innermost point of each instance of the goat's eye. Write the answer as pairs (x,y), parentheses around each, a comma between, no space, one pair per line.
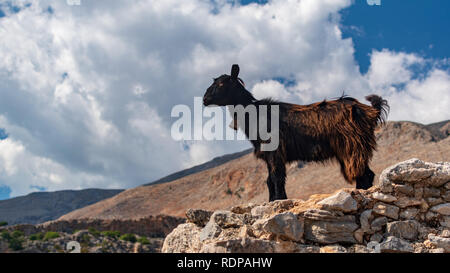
(220,84)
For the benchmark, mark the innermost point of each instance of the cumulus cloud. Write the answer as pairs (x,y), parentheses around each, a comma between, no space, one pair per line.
(87,91)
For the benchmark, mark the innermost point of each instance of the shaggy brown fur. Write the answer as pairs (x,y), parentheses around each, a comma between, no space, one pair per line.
(341,129)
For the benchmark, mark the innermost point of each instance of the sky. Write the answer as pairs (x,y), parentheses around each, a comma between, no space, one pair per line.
(87,91)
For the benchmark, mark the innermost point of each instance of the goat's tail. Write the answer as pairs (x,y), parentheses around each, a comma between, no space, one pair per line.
(381,105)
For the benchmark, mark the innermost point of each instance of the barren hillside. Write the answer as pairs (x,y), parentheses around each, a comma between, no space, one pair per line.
(243,180)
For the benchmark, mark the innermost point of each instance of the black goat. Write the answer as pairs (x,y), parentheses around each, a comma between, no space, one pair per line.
(341,129)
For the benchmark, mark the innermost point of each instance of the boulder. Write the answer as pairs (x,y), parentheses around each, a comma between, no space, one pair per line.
(403,229)
(330,230)
(286,225)
(183,239)
(341,201)
(415,170)
(395,245)
(386,210)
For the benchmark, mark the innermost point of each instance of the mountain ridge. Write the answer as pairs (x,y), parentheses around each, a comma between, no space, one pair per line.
(39,207)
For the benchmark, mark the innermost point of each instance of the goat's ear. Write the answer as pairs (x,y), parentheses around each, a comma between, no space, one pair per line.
(234,71)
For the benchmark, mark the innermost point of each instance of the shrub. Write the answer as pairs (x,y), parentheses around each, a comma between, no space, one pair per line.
(15,244)
(3,223)
(50,235)
(94,232)
(85,238)
(143,240)
(128,237)
(111,234)
(37,236)
(5,235)
(17,234)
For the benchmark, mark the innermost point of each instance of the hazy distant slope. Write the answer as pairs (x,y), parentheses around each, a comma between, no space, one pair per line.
(39,207)
(242,180)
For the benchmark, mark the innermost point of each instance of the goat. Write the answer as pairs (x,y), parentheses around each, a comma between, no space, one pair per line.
(341,129)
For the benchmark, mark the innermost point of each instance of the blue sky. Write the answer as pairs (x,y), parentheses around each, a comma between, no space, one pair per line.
(86,98)
(413,26)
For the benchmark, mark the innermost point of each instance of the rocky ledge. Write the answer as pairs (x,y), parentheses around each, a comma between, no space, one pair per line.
(408,211)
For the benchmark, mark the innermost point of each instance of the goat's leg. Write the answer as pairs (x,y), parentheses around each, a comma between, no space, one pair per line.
(366,180)
(271,187)
(270,182)
(277,174)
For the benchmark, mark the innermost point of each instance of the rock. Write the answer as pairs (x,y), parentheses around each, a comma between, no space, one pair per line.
(364,219)
(333,249)
(432,201)
(415,170)
(359,235)
(384,197)
(246,231)
(446,196)
(447,186)
(378,223)
(210,231)
(403,229)
(424,206)
(373,247)
(261,211)
(445,222)
(441,174)
(338,229)
(286,225)
(358,249)
(183,239)
(386,210)
(341,201)
(409,213)
(395,245)
(377,237)
(431,192)
(431,216)
(418,191)
(405,189)
(241,209)
(445,233)
(404,202)
(443,209)
(227,219)
(198,216)
(440,242)
(437,250)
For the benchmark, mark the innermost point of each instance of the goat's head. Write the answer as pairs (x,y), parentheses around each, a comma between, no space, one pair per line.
(227,90)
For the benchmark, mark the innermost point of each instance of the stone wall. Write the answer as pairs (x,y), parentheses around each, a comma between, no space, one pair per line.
(408,211)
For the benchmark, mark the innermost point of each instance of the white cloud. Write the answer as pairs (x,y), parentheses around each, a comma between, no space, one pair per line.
(87,91)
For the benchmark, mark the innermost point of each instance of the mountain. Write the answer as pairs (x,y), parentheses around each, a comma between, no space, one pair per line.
(202,167)
(242,180)
(39,207)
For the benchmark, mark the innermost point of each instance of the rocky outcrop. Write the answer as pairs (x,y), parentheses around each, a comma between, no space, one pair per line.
(408,211)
